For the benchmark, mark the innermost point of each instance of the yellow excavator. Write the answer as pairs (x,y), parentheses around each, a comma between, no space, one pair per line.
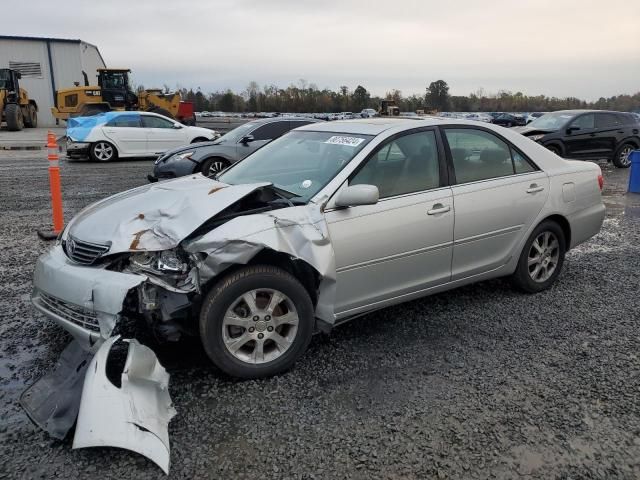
(114,92)
(16,108)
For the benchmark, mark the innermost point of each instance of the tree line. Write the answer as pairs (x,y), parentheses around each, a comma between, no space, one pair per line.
(307,97)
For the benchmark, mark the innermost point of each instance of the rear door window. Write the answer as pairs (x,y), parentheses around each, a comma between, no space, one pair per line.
(480,155)
(607,120)
(125,121)
(271,130)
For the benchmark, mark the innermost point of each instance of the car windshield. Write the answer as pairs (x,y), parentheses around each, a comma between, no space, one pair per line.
(233,136)
(300,162)
(552,121)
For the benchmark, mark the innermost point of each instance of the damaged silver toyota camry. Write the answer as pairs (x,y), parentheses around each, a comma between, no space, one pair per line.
(324,224)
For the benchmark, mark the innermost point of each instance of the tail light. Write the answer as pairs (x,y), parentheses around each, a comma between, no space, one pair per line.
(600,181)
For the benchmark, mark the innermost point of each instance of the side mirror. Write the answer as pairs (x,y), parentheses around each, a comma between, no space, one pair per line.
(572,129)
(177,125)
(355,195)
(247,139)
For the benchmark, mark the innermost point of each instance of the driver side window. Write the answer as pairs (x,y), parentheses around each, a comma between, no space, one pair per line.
(150,121)
(404,165)
(584,122)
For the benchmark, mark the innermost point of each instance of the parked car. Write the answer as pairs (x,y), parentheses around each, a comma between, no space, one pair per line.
(304,234)
(508,120)
(211,158)
(112,135)
(368,113)
(587,134)
(532,116)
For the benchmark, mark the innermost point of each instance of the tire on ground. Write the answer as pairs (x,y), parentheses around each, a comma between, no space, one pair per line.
(521,278)
(223,294)
(96,156)
(620,160)
(13,117)
(217,162)
(31,120)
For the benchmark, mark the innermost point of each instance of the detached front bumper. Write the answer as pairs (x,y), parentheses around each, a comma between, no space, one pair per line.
(84,300)
(77,149)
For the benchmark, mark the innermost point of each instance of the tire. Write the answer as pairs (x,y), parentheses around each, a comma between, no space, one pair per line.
(232,336)
(554,149)
(90,111)
(13,117)
(213,166)
(621,158)
(31,121)
(103,152)
(547,243)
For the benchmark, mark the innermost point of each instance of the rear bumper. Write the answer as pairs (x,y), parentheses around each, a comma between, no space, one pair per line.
(86,301)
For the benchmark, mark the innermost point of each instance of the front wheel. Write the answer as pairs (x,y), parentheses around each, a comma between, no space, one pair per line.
(622,158)
(213,166)
(541,259)
(103,152)
(256,322)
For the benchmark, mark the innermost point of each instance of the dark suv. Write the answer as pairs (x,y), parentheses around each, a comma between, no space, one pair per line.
(213,157)
(587,134)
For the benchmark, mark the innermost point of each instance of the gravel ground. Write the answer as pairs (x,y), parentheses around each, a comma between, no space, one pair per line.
(476,383)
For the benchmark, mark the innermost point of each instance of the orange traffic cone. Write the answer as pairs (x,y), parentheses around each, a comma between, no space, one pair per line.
(56,190)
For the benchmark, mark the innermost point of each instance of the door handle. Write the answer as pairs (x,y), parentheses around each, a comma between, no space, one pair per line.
(438,208)
(534,188)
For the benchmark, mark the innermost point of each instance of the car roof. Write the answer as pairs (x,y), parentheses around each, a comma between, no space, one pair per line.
(261,121)
(375,126)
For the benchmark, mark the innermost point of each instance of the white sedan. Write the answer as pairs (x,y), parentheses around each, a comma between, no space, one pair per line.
(112,135)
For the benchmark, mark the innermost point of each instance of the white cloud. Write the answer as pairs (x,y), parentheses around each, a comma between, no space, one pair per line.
(582,48)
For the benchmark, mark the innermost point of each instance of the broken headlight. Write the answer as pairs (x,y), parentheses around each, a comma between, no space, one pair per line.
(167,262)
(535,138)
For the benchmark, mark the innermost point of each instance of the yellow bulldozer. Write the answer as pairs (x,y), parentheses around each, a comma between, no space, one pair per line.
(16,108)
(114,92)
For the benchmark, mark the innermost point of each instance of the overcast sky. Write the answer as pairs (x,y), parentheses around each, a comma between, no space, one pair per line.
(582,48)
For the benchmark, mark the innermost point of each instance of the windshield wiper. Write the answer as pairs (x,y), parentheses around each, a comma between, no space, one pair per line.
(285,195)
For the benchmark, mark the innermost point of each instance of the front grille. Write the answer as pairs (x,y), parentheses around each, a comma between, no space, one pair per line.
(84,252)
(81,316)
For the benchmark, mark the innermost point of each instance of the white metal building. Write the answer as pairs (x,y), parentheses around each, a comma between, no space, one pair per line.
(49,64)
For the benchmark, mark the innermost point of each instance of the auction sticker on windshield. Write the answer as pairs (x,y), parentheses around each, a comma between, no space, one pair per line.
(348,141)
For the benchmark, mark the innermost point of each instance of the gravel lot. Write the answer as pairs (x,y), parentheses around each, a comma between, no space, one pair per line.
(475,383)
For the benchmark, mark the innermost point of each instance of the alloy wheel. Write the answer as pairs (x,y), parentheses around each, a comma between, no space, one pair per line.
(543,257)
(103,151)
(624,156)
(215,168)
(260,326)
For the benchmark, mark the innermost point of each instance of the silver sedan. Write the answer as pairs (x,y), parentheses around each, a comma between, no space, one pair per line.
(324,224)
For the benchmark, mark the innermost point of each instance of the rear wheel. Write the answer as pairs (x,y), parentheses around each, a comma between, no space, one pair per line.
(13,117)
(213,166)
(256,322)
(103,152)
(621,158)
(31,120)
(541,259)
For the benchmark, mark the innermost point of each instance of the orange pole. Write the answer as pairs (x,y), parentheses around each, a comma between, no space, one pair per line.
(54,183)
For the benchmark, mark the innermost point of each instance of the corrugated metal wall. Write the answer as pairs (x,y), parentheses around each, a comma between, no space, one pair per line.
(68,59)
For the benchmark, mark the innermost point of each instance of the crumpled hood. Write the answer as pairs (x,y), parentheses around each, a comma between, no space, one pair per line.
(156,216)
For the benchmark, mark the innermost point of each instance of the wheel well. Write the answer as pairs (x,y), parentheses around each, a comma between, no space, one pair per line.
(564,225)
(35,105)
(210,158)
(302,271)
(199,139)
(632,141)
